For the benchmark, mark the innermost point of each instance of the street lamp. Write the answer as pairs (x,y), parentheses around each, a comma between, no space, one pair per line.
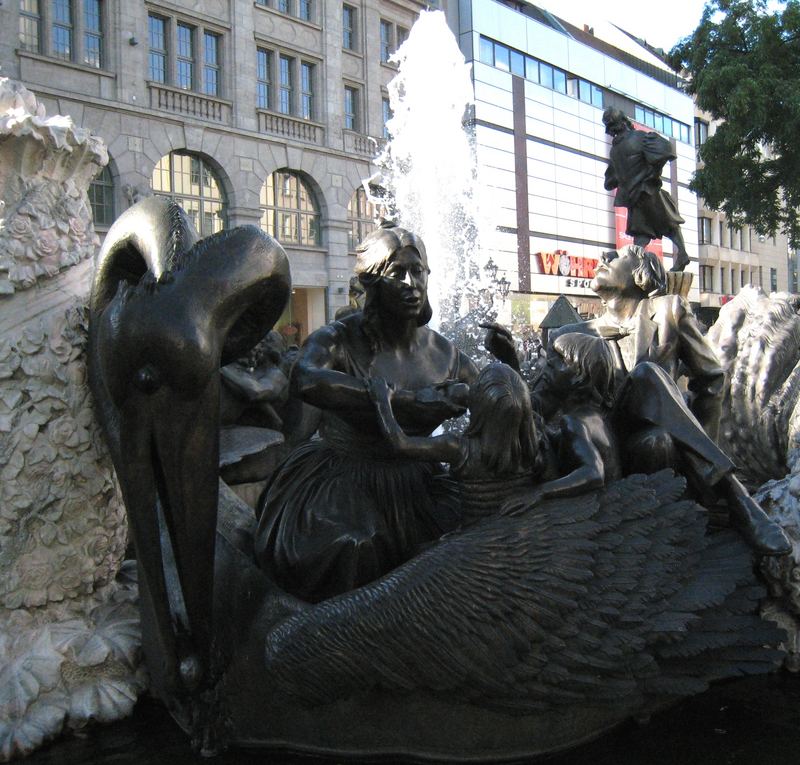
(491,269)
(503,285)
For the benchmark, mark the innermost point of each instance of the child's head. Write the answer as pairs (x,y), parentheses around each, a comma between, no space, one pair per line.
(591,362)
(501,417)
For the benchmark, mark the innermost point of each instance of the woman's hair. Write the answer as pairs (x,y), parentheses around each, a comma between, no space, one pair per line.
(593,362)
(376,253)
(501,418)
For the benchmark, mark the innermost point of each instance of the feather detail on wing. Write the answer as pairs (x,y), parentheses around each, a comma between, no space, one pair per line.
(581,600)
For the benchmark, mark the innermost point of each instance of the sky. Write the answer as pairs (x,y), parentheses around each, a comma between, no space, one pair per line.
(661,22)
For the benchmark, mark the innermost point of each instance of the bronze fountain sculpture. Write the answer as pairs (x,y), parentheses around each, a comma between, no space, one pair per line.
(365,614)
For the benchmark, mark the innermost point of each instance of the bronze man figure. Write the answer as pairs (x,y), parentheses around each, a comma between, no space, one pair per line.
(635,164)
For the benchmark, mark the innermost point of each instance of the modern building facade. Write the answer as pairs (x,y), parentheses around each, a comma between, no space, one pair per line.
(264,112)
(541,86)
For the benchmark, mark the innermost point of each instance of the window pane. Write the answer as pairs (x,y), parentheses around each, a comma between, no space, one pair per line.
(517,63)
(29,25)
(211,68)
(307,90)
(62,29)
(184,73)
(386,40)
(546,74)
(62,12)
(264,75)
(486,53)
(501,57)
(639,114)
(348,27)
(597,96)
(195,188)
(287,227)
(584,91)
(304,10)
(92,34)
(559,80)
(101,198)
(184,41)
(531,69)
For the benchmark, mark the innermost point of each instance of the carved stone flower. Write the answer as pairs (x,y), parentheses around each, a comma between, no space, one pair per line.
(77,227)
(20,227)
(46,243)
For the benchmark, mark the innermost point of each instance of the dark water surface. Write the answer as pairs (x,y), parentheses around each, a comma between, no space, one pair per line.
(753,721)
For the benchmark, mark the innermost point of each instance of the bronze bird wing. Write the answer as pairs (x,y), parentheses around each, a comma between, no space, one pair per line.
(586,599)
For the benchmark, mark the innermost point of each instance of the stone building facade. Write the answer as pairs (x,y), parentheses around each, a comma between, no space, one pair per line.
(264,112)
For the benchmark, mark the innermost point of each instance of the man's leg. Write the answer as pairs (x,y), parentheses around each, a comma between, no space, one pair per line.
(652,399)
(682,257)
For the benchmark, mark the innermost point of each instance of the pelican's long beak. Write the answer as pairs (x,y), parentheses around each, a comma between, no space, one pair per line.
(158,336)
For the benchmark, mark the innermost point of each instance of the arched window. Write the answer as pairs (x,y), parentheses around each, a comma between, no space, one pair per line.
(101,198)
(189,180)
(288,210)
(361,214)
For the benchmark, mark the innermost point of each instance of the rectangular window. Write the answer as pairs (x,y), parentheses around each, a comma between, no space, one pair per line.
(348,27)
(351,108)
(157,29)
(517,63)
(285,85)
(486,52)
(704,230)
(546,75)
(263,78)
(184,72)
(721,234)
(559,80)
(572,87)
(501,57)
(741,279)
(211,63)
(773,280)
(531,69)
(638,114)
(62,29)
(684,133)
(722,278)
(387,115)
(706,279)
(700,132)
(92,33)
(30,25)
(733,280)
(386,40)
(304,10)
(282,5)
(307,91)
(584,91)
(597,97)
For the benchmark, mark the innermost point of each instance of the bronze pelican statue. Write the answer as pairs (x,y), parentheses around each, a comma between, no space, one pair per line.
(531,630)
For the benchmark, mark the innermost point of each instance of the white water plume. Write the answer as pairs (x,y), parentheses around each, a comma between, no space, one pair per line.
(429,171)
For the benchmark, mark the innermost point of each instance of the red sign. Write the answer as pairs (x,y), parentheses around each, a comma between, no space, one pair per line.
(621,223)
(561,263)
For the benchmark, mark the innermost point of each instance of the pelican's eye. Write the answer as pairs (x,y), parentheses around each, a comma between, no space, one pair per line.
(147,379)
